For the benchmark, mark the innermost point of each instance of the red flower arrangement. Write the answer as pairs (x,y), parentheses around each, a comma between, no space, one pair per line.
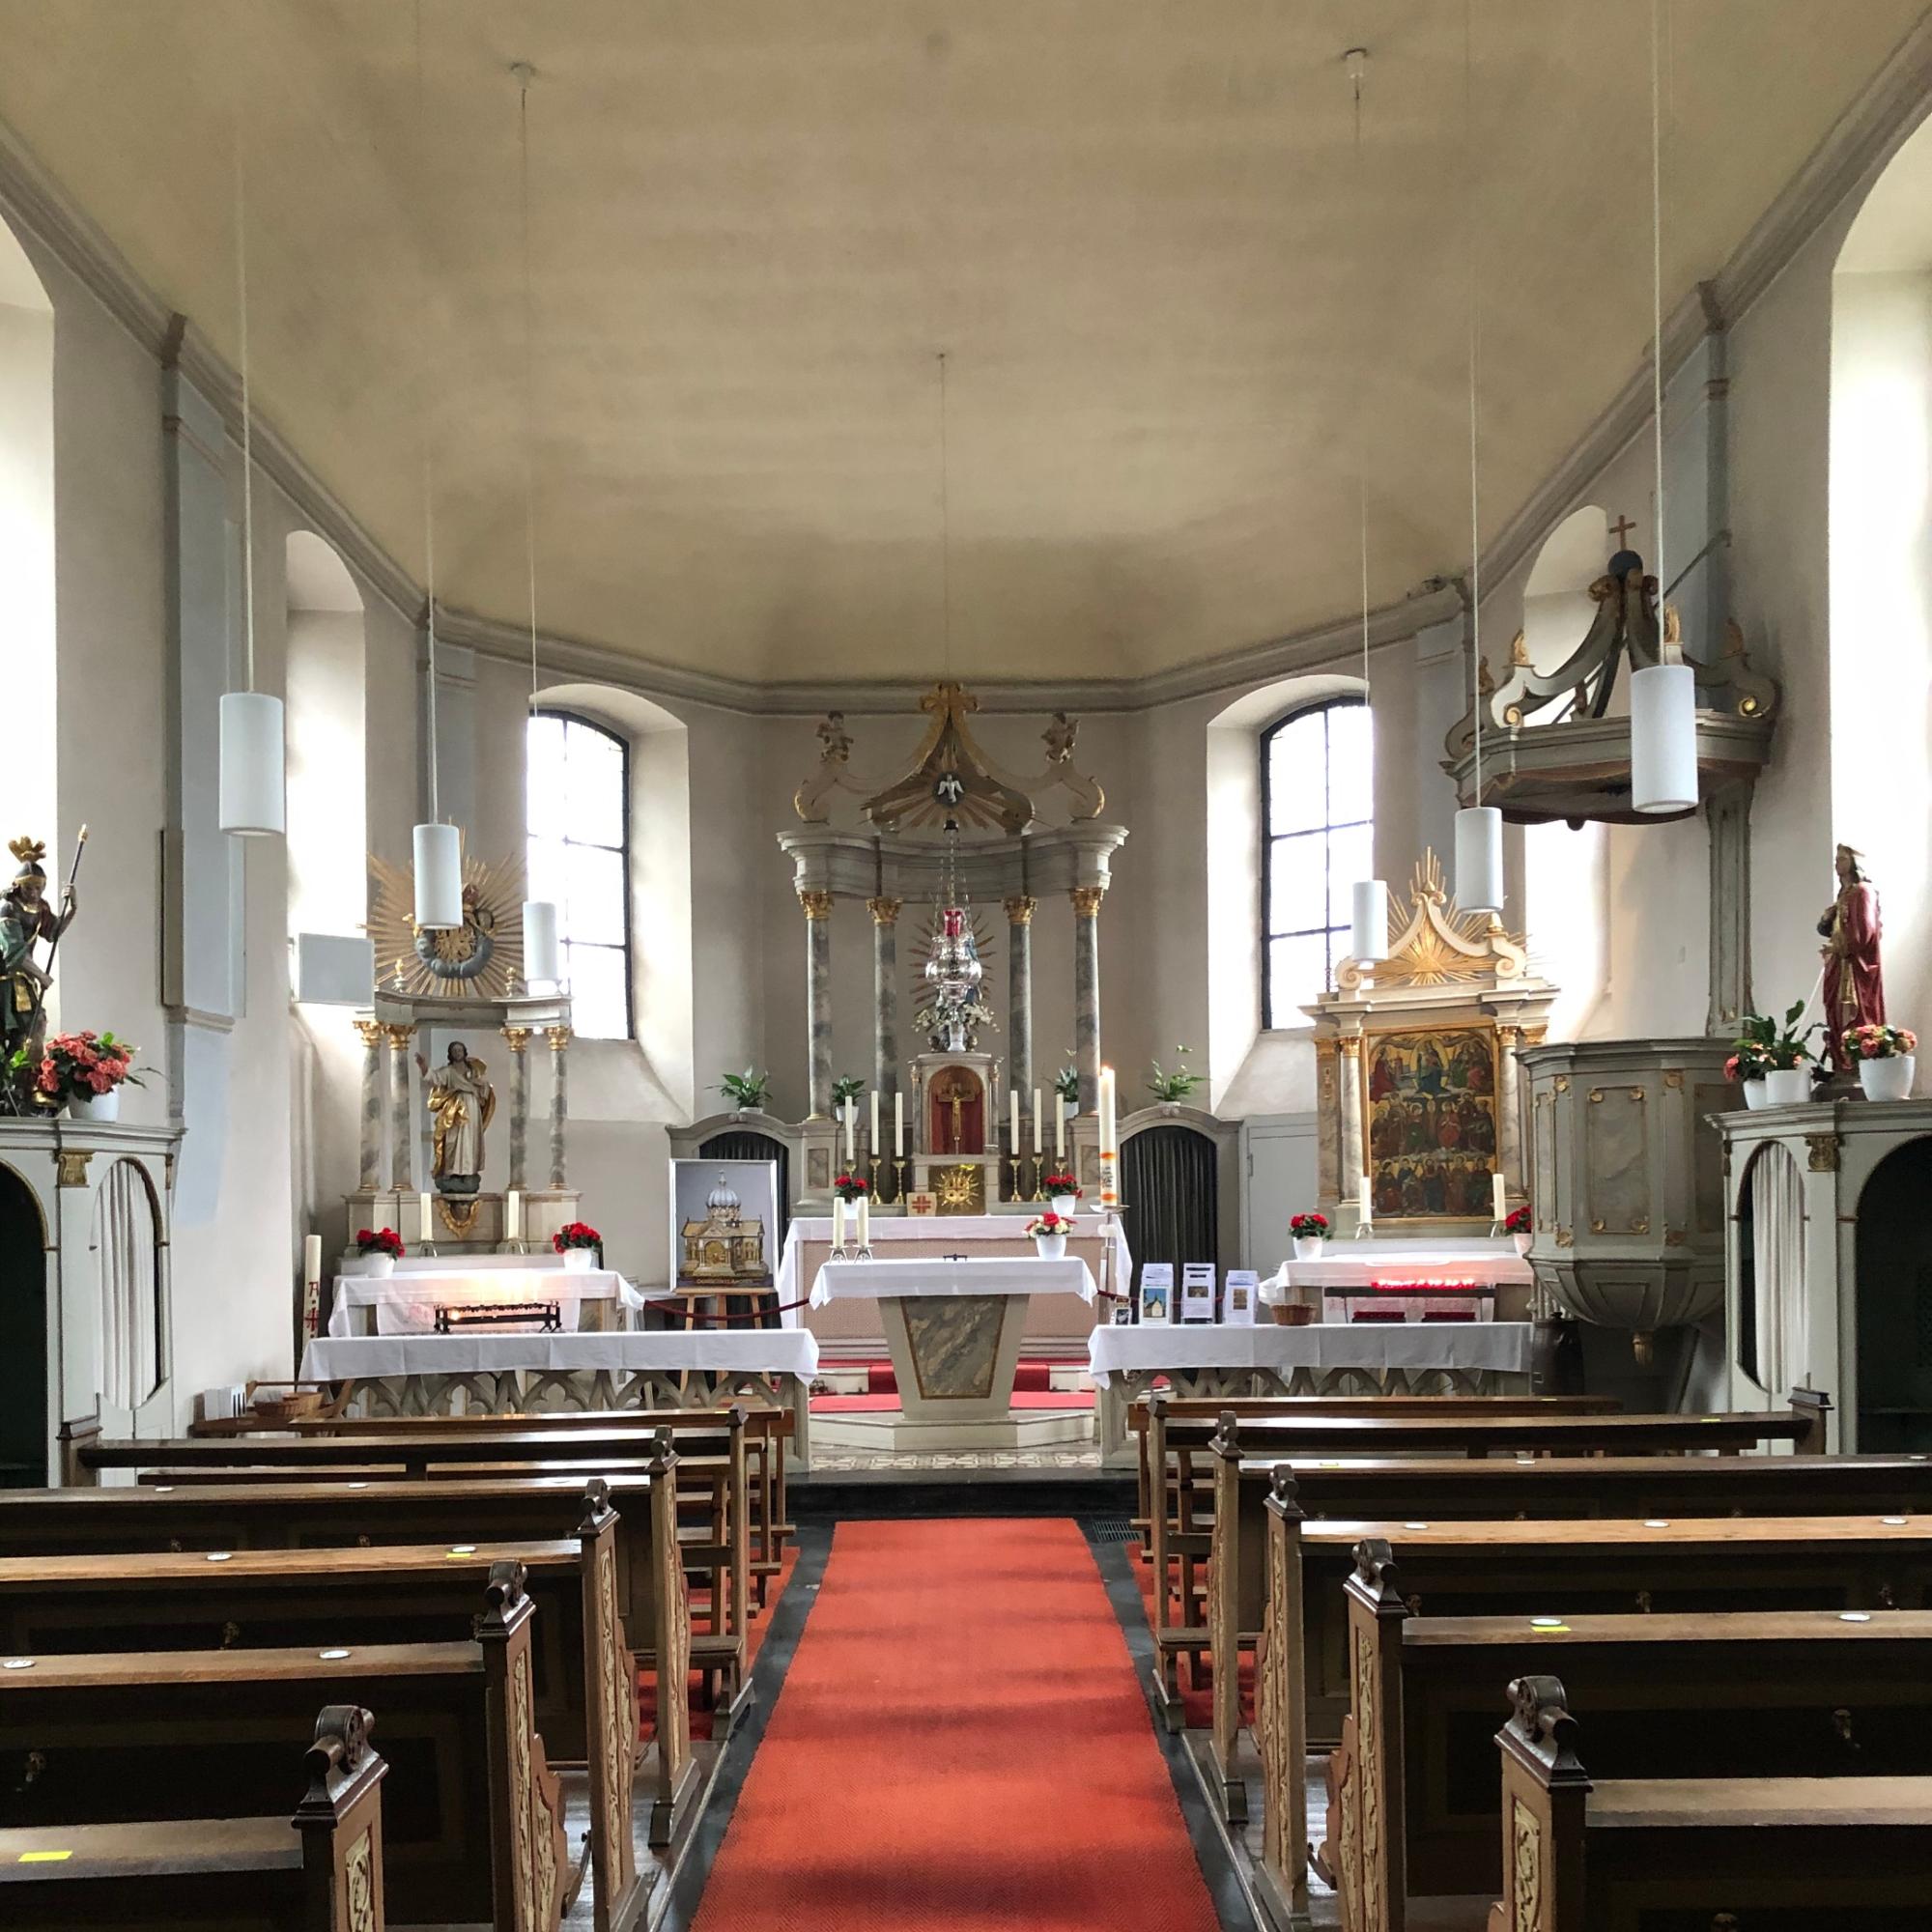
(1309,1227)
(380,1241)
(81,1063)
(1061,1182)
(850,1186)
(1880,1042)
(1518,1221)
(1049,1224)
(575,1234)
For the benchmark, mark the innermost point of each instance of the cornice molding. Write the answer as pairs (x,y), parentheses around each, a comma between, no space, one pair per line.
(1870,129)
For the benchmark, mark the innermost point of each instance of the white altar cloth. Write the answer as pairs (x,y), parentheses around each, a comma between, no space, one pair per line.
(1152,1347)
(1351,1266)
(963,1229)
(787,1352)
(934,1274)
(406,1301)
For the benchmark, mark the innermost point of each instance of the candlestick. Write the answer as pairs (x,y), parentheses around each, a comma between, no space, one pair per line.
(1059,1125)
(312,1261)
(1365,1212)
(1013,1118)
(851,1128)
(1108,1122)
(873,1143)
(874,1164)
(1013,1181)
(898,1126)
(426,1240)
(513,1218)
(1499,1198)
(865,1228)
(898,1179)
(1038,1126)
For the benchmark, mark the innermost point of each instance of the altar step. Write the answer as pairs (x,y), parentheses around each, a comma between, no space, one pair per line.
(1035,1375)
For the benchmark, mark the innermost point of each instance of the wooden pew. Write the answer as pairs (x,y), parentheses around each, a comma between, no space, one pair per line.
(725,1552)
(1824,1855)
(1658,1443)
(474,1832)
(577,1676)
(242,1873)
(1565,1566)
(1796,1693)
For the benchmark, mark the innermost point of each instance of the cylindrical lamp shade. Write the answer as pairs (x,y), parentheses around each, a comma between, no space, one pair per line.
(253,796)
(541,960)
(438,850)
(1369,922)
(1479,859)
(1663,738)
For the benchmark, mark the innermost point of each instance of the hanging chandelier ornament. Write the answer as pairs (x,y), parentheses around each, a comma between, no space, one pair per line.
(437,847)
(1368,920)
(1479,827)
(1663,695)
(252,789)
(543,963)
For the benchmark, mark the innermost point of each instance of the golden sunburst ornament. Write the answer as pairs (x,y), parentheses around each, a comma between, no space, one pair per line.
(480,960)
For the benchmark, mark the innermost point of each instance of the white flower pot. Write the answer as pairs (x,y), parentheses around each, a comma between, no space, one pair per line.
(1065,1204)
(1050,1247)
(94,1106)
(379,1268)
(1887,1079)
(1308,1247)
(1787,1085)
(1754,1093)
(579,1261)
(1522,1242)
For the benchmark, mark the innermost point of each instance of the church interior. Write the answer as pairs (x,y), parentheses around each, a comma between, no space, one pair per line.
(958,965)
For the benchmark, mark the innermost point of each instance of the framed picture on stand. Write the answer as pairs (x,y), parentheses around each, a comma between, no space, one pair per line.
(1157,1291)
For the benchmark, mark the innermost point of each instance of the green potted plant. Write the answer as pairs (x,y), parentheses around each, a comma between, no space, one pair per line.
(746,1090)
(847,1087)
(1175,1086)
(1747,1067)
(1787,1054)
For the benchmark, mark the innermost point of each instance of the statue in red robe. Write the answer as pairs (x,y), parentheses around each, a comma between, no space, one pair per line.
(1854,988)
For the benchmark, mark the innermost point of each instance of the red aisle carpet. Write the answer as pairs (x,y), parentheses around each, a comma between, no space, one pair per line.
(959,1746)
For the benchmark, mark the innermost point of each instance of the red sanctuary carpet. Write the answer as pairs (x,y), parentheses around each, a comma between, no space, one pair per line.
(959,1746)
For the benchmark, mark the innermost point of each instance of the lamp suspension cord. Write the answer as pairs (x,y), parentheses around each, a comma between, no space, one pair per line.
(1357,58)
(247,413)
(1475,526)
(429,492)
(1657,300)
(523,72)
(945,532)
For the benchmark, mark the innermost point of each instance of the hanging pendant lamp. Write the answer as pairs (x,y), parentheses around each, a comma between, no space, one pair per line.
(251,797)
(1368,920)
(1663,695)
(542,962)
(1479,827)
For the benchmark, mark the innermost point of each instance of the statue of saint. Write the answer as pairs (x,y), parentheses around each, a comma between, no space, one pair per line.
(460,1102)
(1854,988)
(25,919)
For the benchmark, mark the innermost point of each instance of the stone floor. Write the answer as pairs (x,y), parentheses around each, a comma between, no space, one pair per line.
(842,1462)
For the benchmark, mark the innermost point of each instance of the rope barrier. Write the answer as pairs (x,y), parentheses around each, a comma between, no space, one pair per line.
(693,1319)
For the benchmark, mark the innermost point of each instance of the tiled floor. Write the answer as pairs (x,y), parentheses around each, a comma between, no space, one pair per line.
(836,1462)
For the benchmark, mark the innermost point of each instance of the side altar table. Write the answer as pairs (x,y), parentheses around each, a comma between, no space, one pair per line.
(953,1328)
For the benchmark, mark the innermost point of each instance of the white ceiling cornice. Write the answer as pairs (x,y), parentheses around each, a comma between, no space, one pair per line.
(1884,113)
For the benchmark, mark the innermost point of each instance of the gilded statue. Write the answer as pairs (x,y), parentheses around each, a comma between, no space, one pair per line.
(26,919)
(1854,986)
(460,1102)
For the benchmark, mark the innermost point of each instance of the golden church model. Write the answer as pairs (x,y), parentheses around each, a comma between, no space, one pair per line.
(723,1247)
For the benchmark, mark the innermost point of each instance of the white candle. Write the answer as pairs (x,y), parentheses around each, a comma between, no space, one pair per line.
(873,1143)
(898,1126)
(427,1232)
(513,1215)
(311,1260)
(1059,1126)
(1497,1202)
(1038,1126)
(851,1127)
(865,1221)
(1013,1115)
(1364,1206)
(1107,1146)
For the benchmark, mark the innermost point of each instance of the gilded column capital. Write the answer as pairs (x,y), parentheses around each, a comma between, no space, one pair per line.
(371,1031)
(1349,1045)
(1086,900)
(1535,1035)
(1509,1036)
(817,905)
(400,1036)
(885,912)
(519,1038)
(558,1038)
(1020,909)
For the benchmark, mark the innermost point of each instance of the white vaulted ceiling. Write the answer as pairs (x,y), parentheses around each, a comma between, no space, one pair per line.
(1172,320)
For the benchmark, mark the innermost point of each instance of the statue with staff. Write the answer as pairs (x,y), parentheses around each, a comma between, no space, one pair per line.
(26,923)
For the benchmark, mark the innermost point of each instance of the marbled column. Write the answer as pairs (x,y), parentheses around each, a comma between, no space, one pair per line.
(1727,814)
(519,1039)
(1019,997)
(1348,1108)
(884,995)
(560,1102)
(1087,991)
(369,1176)
(1512,1162)
(401,1037)
(818,998)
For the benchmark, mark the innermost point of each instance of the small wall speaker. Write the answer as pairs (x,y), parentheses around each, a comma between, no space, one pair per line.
(334,969)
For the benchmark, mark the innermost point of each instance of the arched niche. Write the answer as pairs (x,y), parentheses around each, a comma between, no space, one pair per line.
(23,1335)
(28,774)
(125,1241)
(1893,1262)
(1180,1186)
(1770,1269)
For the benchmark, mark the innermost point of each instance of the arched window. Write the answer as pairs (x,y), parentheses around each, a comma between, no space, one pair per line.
(1317,838)
(576,813)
